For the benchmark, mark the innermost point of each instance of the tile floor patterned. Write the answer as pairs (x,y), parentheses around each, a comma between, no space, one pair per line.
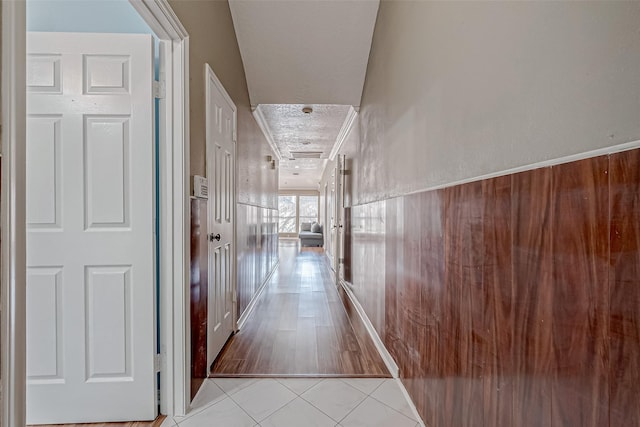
(298,402)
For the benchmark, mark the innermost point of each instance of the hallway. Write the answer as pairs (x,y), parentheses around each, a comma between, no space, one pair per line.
(471,169)
(302,358)
(300,326)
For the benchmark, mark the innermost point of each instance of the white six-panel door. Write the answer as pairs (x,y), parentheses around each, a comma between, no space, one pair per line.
(220,136)
(90,276)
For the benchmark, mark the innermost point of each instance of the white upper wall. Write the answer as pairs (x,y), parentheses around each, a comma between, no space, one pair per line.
(305,51)
(457,90)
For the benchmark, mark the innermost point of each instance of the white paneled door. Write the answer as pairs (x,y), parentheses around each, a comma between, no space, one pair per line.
(90,255)
(221,122)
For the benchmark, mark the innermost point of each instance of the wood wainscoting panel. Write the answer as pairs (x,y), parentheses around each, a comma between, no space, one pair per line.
(580,299)
(512,301)
(394,256)
(199,293)
(424,380)
(464,347)
(499,312)
(533,293)
(347,246)
(246,242)
(257,250)
(368,225)
(624,280)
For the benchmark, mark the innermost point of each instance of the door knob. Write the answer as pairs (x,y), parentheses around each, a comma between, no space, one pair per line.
(213,237)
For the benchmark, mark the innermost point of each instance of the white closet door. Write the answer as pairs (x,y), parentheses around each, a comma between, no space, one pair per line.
(90,245)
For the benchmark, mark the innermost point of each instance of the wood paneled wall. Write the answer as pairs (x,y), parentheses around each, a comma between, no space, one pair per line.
(199,293)
(513,301)
(257,249)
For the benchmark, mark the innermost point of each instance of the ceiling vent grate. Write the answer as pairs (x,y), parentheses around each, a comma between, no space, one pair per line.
(306,154)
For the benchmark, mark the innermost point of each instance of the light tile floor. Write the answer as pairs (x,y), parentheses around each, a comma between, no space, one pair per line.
(298,402)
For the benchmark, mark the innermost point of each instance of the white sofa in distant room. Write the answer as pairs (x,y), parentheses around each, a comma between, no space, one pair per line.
(311,234)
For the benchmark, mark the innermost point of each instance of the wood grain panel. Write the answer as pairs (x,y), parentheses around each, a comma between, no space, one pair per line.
(245,252)
(514,301)
(427,383)
(406,333)
(368,227)
(464,346)
(498,301)
(624,279)
(347,245)
(453,346)
(580,224)
(199,293)
(393,251)
(532,265)
(257,250)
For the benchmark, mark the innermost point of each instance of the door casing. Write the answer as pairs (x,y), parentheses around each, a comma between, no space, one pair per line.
(13,206)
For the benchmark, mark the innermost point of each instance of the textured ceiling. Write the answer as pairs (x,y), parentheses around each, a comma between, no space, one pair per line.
(292,130)
(304,51)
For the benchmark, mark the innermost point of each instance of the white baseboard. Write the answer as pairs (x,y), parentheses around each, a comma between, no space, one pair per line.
(252,305)
(409,400)
(329,260)
(384,353)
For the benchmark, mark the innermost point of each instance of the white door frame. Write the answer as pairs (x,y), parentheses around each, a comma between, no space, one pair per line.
(174,208)
(14,96)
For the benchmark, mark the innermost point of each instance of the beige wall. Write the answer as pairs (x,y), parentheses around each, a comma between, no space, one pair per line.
(212,40)
(456,90)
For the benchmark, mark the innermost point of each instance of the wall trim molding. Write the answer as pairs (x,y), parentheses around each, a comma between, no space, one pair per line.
(161,18)
(264,127)
(409,400)
(13,289)
(384,353)
(618,148)
(254,301)
(329,260)
(345,130)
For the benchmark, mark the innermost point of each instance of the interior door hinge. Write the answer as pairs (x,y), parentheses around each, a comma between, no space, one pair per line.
(159,89)
(234,297)
(157,363)
(235,136)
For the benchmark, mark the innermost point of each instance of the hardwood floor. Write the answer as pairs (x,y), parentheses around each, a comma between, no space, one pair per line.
(300,327)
